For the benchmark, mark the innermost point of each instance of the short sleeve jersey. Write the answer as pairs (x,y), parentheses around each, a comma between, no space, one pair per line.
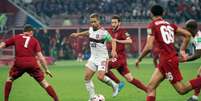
(164,33)
(25,46)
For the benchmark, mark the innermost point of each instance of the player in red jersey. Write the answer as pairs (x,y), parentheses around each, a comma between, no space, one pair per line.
(163,33)
(192,26)
(120,64)
(27,48)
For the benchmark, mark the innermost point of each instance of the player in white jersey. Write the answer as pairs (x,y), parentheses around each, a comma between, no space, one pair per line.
(192,26)
(98,37)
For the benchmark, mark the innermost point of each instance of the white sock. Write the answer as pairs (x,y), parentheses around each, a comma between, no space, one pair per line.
(90,88)
(109,82)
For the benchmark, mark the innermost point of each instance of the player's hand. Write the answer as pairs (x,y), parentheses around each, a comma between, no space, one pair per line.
(48,73)
(74,35)
(183,55)
(137,63)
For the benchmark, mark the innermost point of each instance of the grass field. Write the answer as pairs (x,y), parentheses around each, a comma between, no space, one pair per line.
(69,84)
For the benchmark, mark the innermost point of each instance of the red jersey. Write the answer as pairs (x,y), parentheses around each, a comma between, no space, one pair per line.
(26,47)
(119,34)
(164,37)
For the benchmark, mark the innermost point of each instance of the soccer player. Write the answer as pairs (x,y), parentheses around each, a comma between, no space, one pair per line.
(192,26)
(163,33)
(27,48)
(98,37)
(120,64)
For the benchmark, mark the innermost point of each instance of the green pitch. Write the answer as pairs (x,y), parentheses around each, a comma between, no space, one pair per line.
(69,84)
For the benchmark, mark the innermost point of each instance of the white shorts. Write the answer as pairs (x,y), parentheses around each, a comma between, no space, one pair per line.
(98,64)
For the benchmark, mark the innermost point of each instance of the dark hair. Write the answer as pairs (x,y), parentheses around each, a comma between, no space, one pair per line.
(94,15)
(28,28)
(116,17)
(192,26)
(157,10)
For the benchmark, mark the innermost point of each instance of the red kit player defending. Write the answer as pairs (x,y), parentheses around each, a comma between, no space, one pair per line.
(120,64)
(27,48)
(163,33)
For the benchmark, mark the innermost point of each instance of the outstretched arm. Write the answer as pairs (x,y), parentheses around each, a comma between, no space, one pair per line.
(186,34)
(146,50)
(44,63)
(84,33)
(126,41)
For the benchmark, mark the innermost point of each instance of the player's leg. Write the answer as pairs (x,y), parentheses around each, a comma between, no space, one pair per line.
(197,90)
(110,74)
(89,72)
(156,79)
(102,68)
(124,71)
(14,73)
(38,75)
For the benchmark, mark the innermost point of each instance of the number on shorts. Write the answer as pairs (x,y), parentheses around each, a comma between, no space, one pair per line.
(26,43)
(167,34)
(169,76)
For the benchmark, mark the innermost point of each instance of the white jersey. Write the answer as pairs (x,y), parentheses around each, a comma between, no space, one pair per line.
(197,40)
(98,40)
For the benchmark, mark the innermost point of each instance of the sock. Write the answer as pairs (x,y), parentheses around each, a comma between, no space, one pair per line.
(139,84)
(90,88)
(7,89)
(197,90)
(52,93)
(109,82)
(196,83)
(113,77)
(151,98)
(195,97)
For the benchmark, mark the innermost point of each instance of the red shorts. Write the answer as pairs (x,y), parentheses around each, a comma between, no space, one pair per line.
(120,64)
(33,70)
(170,69)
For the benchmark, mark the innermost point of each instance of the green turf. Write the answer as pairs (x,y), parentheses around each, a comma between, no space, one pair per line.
(69,84)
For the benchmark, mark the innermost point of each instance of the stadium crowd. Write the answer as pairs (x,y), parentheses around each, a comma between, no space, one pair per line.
(129,10)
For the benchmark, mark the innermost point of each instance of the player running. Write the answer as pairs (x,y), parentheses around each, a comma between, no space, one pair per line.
(98,37)
(192,26)
(120,64)
(163,33)
(26,49)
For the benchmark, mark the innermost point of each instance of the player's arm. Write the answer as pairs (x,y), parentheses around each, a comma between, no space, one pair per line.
(186,34)
(109,38)
(84,33)
(128,40)
(146,50)
(44,63)
(2,45)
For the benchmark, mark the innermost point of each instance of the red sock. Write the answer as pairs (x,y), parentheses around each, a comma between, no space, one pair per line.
(139,84)
(196,83)
(112,76)
(52,93)
(151,98)
(7,90)
(197,90)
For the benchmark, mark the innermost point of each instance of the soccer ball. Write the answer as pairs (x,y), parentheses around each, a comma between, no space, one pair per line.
(99,97)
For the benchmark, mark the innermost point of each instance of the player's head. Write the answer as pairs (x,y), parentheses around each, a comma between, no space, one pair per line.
(95,20)
(28,30)
(156,11)
(116,21)
(192,26)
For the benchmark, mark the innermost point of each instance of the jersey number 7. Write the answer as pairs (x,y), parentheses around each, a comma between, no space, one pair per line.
(26,41)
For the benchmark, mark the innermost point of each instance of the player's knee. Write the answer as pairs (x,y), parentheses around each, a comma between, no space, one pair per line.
(129,78)
(181,91)
(101,77)
(44,83)
(150,88)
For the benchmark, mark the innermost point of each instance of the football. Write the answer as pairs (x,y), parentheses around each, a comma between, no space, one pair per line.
(99,97)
